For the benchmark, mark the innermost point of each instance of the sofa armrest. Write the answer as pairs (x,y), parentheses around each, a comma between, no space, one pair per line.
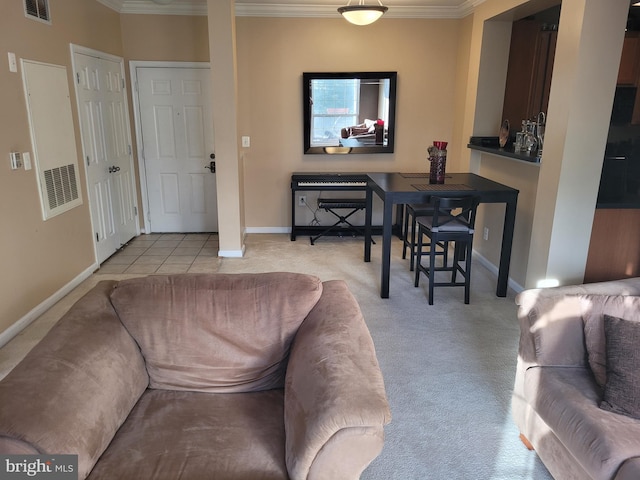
(551,330)
(76,387)
(551,324)
(552,333)
(335,401)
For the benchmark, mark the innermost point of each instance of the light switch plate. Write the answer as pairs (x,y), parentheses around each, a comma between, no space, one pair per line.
(246,141)
(13,66)
(26,160)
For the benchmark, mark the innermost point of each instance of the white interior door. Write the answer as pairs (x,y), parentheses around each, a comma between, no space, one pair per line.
(177,139)
(104,123)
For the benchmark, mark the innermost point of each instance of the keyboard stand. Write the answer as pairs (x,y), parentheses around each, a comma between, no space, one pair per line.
(343,224)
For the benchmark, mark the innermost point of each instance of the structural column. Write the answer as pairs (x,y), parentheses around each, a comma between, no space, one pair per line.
(590,37)
(222,53)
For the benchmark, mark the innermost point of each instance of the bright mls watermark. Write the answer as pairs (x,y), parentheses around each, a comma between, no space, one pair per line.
(50,467)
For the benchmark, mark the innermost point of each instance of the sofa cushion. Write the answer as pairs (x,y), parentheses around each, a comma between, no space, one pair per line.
(567,399)
(593,309)
(622,390)
(195,435)
(215,332)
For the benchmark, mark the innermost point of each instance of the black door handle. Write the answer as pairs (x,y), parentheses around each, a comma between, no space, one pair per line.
(211,166)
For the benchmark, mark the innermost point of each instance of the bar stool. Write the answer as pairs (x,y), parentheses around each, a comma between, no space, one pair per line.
(446,226)
(413,211)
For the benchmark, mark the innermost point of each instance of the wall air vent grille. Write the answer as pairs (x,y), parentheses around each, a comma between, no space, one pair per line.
(61,185)
(37,9)
(55,157)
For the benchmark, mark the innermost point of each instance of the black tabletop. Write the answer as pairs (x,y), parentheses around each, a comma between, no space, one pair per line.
(392,184)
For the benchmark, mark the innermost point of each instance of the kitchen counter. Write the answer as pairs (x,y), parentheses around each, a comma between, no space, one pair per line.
(508,152)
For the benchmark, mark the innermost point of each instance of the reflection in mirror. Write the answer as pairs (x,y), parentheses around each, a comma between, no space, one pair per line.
(349,112)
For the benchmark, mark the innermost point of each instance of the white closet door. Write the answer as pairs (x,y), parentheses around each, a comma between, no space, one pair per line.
(104,124)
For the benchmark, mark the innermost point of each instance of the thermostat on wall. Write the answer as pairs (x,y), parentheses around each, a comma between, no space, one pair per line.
(16,160)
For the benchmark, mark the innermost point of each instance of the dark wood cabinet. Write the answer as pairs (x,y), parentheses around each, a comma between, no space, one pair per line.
(613,251)
(630,60)
(629,71)
(531,55)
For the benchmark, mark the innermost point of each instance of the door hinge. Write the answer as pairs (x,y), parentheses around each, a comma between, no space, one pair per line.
(123,84)
(87,160)
(78,77)
(135,211)
(129,148)
(97,237)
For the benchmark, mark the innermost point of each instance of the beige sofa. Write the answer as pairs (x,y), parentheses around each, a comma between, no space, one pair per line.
(565,374)
(248,376)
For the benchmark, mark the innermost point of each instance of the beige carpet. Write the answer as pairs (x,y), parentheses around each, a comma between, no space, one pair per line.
(448,368)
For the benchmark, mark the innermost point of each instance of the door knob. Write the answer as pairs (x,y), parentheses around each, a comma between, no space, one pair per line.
(114,169)
(212,165)
(212,156)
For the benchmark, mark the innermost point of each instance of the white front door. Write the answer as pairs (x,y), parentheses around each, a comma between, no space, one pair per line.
(177,143)
(104,125)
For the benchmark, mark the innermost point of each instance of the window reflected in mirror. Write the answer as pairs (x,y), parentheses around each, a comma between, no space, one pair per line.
(349,112)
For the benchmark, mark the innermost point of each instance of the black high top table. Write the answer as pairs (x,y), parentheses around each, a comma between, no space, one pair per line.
(402,188)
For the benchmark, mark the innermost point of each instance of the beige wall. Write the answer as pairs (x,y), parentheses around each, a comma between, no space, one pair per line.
(272,55)
(442,94)
(165,38)
(224,81)
(557,199)
(590,37)
(161,38)
(39,257)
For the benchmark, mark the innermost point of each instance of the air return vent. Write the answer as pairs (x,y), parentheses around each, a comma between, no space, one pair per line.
(37,9)
(52,136)
(61,185)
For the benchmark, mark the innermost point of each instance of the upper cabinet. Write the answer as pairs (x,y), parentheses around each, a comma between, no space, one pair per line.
(531,55)
(627,98)
(630,60)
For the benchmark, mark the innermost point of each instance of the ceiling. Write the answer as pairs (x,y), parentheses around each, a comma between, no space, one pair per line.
(301,8)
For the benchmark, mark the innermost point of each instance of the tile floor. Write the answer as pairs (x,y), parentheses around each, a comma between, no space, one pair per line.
(165,253)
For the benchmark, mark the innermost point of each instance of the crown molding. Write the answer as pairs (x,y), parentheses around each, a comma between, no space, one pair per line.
(199,7)
(112,4)
(147,7)
(331,11)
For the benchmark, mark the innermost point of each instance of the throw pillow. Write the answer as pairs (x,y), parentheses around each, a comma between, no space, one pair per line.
(622,390)
(594,307)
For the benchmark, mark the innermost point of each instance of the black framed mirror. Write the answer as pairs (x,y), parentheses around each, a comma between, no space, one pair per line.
(351,112)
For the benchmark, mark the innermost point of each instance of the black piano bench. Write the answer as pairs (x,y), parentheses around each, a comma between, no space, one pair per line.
(342,225)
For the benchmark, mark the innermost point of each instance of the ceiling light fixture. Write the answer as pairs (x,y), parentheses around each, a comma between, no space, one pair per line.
(362,14)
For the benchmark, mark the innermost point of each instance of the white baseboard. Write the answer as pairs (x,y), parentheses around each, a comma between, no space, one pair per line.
(25,321)
(232,253)
(493,269)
